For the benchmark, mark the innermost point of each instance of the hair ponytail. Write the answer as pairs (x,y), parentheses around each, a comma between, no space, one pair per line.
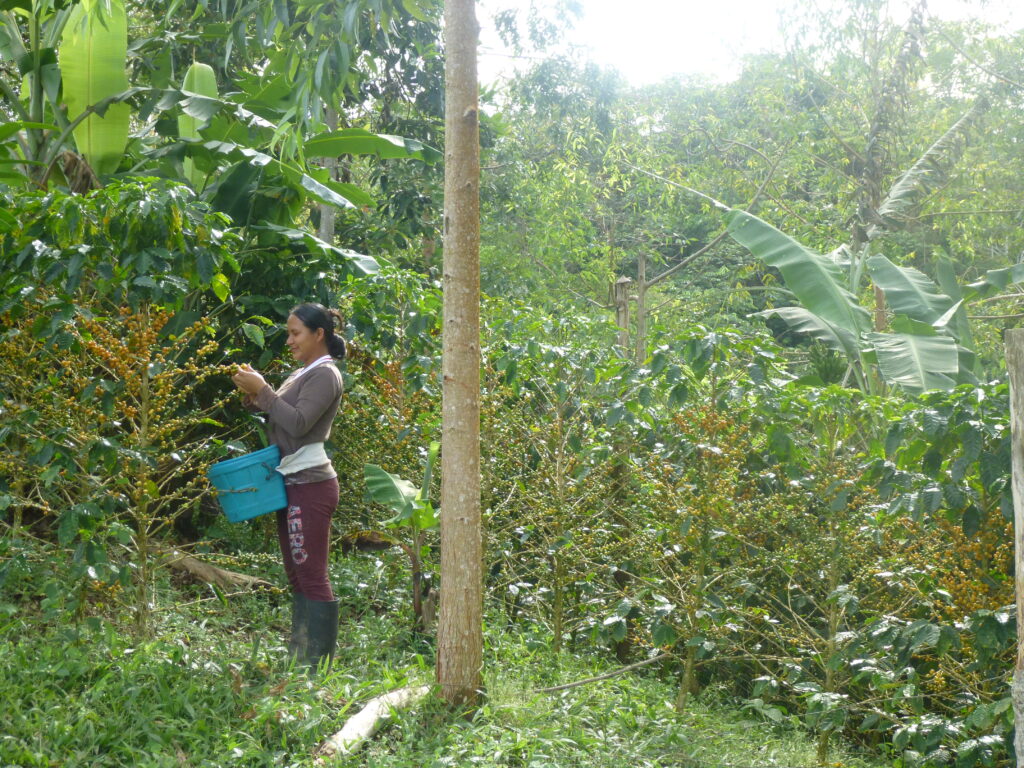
(317,316)
(336,346)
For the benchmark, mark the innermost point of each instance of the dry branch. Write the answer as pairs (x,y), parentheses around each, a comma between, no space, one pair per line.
(366,722)
(605,676)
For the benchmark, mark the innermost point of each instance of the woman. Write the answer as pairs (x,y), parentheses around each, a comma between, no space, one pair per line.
(299,415)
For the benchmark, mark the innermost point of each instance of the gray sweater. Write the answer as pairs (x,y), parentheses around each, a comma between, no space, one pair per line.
(300,413)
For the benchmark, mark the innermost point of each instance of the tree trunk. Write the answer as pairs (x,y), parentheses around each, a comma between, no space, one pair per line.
(429,251)
(327,211)
(881,320)
(1015,367)
(460,623)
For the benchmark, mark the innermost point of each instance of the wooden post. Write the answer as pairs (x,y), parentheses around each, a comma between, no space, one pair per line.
(460,620)
(1015,367)
(641,309)
(621,298)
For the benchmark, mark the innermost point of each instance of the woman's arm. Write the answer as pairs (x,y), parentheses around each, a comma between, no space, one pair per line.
(320,389)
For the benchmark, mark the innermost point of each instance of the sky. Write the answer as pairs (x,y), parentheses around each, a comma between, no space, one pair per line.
(651,40)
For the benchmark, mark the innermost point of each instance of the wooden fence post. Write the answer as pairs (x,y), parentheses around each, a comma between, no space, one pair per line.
(620,295)
(1015,367)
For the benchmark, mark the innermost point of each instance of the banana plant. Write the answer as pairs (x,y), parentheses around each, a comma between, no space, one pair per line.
(72,89)
(33,100)
(413,510)
(931,346)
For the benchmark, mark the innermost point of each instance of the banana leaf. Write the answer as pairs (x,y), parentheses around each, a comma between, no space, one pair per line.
(930,170)
(356,141)
(409,503)
(959,325)
(814,279)
(199,79)
(917,363)
(93,50)
(908,291)
(390,490)
(995,280)
(803,321)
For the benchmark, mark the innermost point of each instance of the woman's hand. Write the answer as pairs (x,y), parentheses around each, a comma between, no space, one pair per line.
(249,380)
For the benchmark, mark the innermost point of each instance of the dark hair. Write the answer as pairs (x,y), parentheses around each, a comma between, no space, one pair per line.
(315,316)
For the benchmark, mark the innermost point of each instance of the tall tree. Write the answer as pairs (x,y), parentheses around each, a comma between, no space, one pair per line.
(460,624)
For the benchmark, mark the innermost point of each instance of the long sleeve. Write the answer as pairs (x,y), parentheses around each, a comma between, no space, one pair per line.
(318,391)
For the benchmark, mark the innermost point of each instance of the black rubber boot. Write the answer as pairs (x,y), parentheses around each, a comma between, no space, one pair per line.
(322,633)
(300,629)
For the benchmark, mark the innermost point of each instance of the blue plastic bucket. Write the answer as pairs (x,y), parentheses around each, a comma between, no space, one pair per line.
(249,486)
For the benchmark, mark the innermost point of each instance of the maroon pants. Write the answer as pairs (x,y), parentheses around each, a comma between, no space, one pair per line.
(304,531)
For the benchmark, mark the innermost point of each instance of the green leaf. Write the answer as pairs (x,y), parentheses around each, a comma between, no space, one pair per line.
(678,394)
(908,291)
(356,141)
(93,52)
(615,414)
(390,490)
(617,628)
(10,129)
(832,336)
(68,527)
(254,334)
(814,279)
(869,722)
(296,177)
(234,191)
(663,635)
(971,521)
(219,593)
(916,363)
(779,441)
(358,263)
(925,174)
(424,516)
(352,193)
(904,324)
(997,280)
(200,79)
(321,192)
(413,9)
(926,635)
(221,286)
(432,452)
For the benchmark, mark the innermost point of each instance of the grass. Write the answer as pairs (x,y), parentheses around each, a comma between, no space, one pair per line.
(212,689)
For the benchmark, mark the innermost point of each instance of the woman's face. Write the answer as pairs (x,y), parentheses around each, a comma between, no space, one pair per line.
(306,345)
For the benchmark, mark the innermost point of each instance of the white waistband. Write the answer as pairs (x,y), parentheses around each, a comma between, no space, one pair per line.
(312,455)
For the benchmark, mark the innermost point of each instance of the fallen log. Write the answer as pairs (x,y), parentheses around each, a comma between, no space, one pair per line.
(359,728)
(210,574)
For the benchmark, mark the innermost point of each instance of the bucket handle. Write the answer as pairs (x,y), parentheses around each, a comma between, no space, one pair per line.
(252,489)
